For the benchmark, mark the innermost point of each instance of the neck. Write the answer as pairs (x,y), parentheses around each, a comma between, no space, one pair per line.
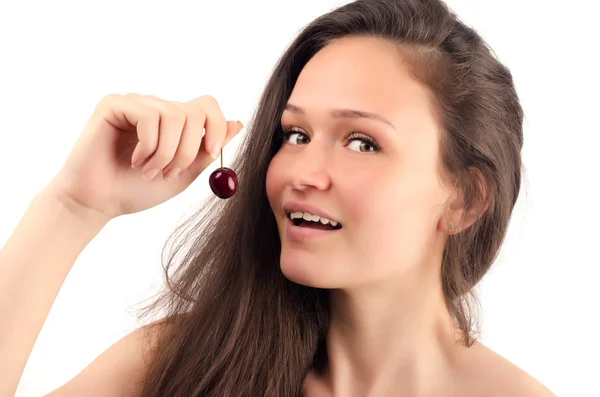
(389,340)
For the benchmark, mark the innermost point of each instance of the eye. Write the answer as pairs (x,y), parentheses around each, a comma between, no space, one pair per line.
(294,136)
(362,143)
(358,142)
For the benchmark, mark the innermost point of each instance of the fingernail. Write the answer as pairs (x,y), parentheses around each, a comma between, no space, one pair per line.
(241,124)
(216,150)
(172,173)
(138,163)
(150,174)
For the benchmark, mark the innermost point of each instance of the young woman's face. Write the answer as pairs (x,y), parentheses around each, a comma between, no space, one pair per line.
(376,176)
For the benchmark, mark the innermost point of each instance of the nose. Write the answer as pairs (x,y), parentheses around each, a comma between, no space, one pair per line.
(310,168)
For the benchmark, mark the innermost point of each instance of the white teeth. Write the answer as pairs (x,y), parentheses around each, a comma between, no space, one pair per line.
(296,215)
(310,217)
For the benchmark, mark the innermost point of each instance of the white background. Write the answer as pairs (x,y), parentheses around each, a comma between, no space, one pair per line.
(58,58)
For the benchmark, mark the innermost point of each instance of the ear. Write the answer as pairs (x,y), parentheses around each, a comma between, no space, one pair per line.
(457,218)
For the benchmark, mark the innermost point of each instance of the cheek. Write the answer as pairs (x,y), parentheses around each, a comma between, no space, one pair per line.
(274,181)
(395,217)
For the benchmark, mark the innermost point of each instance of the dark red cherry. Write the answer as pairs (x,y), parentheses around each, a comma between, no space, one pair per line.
(223,182)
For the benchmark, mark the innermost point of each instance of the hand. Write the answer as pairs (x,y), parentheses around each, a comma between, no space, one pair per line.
(139,151)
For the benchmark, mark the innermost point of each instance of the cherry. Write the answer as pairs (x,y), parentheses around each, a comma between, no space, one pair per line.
(223,181)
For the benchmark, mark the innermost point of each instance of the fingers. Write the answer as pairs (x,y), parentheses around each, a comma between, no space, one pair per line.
(132,115)
(189,141)
(160,150)
(170,134)
(201,162)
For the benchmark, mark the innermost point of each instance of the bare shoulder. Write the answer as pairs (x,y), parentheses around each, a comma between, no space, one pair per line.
(493,375)
(119,371)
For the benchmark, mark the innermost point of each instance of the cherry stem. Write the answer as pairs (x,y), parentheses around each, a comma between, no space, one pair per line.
(221,157)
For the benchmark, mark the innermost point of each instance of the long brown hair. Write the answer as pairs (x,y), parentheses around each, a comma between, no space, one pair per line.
(236,325)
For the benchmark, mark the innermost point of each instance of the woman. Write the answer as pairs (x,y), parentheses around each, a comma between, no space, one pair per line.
(377,182)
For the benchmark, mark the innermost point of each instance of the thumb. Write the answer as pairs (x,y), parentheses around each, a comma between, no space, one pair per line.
(233,128)
(203,159)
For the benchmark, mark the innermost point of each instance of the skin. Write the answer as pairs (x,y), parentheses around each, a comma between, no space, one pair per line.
(390,333)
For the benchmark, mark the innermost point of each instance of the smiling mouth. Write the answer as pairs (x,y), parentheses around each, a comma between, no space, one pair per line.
(313,222)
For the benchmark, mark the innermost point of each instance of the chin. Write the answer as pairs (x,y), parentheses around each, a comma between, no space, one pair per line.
(308,272)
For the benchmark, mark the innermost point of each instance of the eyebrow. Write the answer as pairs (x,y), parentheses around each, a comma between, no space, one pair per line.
(345,113)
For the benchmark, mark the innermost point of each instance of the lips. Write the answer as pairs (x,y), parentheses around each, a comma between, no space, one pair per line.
(314,222)
(310,221)
(303,207)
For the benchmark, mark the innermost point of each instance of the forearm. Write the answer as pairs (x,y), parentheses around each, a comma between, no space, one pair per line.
(34,263)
